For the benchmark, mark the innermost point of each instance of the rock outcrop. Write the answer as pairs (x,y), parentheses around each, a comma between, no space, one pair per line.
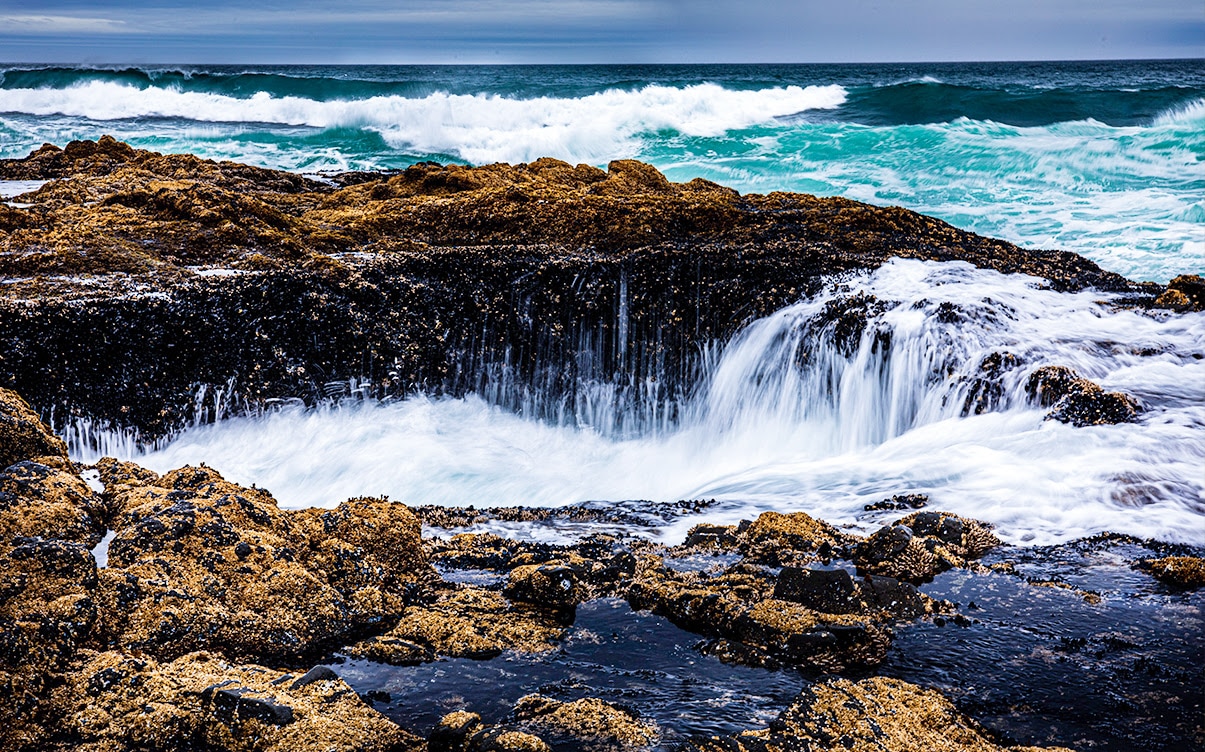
(865,716)
(177,272)
(23,435)
(1078,401)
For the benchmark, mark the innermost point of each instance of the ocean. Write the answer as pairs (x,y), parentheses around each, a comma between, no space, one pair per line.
(1100,158)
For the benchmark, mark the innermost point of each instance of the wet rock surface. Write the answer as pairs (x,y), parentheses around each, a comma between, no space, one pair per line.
(222,621)
(1077,400)
(199,701)
(1184,293)
(215,619)
(22,433)
(180,272)
(872,714)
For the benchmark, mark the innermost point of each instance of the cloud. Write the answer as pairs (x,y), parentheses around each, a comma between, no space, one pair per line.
(37,25)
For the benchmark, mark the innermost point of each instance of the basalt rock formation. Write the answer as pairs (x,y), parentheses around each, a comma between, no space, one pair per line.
(133,278)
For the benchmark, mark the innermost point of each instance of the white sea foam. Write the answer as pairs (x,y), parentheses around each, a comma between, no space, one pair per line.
(785,420)
(1193,112)
(480,128)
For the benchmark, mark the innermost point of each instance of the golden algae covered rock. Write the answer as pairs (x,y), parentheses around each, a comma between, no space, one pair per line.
(588,724)
(872,715)
(202,563)
(467,622)
(116,700)
(23,435)
(46,613)
(761,618)
(776,539)
(42,500)
(922,545)
(1183,572)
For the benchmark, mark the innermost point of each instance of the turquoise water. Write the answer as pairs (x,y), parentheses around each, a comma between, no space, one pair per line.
(1104,159)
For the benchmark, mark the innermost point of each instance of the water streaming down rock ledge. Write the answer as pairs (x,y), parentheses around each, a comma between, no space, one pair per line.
(504,281)
(921,377)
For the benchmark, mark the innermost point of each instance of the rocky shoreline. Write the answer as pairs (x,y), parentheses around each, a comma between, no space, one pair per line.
(146,291)
(218,617)
(182,611)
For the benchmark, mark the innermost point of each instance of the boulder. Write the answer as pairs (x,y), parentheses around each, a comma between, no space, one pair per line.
(922,545)
(23,435)
(588,724)
(49,501)
(115,700)
(871,715)
(1077,400)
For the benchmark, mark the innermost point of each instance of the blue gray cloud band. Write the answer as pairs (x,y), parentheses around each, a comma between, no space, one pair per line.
(487,31)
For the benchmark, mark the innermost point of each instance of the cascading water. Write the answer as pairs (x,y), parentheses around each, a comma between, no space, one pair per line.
(908,380)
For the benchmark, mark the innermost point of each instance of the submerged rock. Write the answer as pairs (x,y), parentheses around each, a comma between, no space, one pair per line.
(1183,572)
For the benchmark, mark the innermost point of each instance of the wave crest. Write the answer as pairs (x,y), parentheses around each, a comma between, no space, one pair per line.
(476,127)
(1185,114)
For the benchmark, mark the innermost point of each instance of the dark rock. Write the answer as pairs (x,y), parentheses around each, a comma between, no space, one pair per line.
(830,591)
(898,502)
(1184,293)
(1049,384)
(920,546)
(317,673)
(900,598)
(711,536)
(1089,405)
(549,585)
(1077,400)
(419,270)
(240,704)
(987,388)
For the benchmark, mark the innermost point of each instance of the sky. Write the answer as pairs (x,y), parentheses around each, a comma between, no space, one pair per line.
(597,31)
